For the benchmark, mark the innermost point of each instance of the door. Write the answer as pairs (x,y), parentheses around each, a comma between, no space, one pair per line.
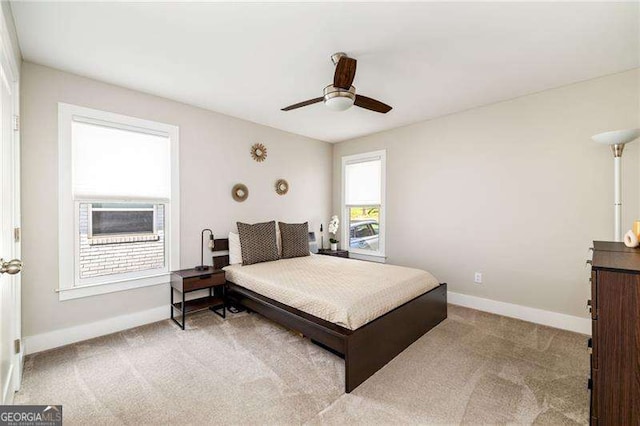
(10,347)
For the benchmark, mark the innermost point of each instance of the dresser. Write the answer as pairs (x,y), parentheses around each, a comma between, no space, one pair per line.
(615,342)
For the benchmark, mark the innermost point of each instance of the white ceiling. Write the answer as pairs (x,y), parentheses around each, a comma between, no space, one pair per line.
(250,60)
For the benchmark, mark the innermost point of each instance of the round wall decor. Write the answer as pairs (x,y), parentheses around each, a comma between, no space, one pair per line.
(282,186)
(258,152)
(240,192)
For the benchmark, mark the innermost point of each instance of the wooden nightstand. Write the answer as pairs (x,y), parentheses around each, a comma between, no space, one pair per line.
(335,253)
(188,280)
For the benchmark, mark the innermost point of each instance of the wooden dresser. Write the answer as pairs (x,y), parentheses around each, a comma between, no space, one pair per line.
(615,342)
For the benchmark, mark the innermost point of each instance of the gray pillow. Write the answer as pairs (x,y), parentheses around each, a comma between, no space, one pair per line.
(295,239)
(258,242)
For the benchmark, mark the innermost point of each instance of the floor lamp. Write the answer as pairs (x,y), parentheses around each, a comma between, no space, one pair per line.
(616,140)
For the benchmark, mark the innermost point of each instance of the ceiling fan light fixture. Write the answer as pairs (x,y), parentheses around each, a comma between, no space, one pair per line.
(339,103)
(337,99)
(341,95)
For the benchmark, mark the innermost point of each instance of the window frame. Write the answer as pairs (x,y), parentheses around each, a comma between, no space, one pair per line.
(70,286)
(380,254)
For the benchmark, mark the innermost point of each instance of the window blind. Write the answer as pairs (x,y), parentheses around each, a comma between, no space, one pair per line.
(363,183)
(119,163)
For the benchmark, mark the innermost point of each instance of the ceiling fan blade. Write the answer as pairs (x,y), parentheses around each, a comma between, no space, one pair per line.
(303,103)
(371,104)
(345,73)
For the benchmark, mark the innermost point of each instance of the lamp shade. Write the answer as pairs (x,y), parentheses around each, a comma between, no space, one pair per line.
(617,137)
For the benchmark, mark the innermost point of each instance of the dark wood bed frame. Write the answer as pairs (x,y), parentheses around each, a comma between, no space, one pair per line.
(366,349)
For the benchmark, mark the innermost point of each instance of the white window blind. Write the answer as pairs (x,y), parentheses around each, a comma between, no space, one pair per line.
(363,183)
(119,163)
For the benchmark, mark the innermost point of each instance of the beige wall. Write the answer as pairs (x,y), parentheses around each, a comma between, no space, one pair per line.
(214,155)
(515,190)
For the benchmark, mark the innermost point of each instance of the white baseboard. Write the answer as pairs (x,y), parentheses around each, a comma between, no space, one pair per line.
(9,389)
(525,313)
(65,336)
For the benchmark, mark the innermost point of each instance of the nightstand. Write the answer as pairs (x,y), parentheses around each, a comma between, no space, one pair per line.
(335,253)
(188,280)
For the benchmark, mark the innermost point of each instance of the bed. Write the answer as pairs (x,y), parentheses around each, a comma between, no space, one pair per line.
(365,312)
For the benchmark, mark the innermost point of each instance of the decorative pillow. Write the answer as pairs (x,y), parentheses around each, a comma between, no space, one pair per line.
(235,251)
(295,239)
(258,242)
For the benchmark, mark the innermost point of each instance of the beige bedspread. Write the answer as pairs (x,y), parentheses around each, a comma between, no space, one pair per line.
(346,292)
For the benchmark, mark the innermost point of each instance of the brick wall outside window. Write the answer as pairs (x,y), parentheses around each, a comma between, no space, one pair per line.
(109,259)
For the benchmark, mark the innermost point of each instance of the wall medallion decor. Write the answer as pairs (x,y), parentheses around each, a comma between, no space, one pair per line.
(282,186)
(258,152)
(240,192)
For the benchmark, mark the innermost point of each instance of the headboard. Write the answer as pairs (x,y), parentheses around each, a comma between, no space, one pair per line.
(220,253)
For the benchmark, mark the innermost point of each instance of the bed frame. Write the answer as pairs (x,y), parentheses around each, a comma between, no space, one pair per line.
(366,349)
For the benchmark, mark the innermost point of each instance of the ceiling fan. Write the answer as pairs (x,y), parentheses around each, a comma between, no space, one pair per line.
(341,95)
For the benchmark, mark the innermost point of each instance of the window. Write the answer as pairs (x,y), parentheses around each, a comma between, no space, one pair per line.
(107,219)
(118,202)
(363,203)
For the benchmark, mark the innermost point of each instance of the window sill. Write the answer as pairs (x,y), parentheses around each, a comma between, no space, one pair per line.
(89,290)
(379,258)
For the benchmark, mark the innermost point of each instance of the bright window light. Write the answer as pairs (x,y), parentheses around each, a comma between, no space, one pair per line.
(113,163)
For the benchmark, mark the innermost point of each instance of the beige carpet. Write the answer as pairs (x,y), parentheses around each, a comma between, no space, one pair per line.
(472,368)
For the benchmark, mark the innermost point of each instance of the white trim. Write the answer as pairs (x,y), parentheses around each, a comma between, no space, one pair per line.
(121,121)
(65,336)
(17,380)
(380,255)
(10,75)
(525,313)
(10,387)
(56,338)
(367,257)
(9,50)
(112,286)
(68,222)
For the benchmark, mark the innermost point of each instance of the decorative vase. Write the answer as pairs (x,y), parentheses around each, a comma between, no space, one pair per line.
(334,246)
(630,239)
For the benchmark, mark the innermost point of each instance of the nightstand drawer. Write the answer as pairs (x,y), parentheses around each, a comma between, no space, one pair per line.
(334,253)
(197,283)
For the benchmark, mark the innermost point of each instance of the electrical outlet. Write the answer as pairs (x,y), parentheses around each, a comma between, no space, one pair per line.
(477,278)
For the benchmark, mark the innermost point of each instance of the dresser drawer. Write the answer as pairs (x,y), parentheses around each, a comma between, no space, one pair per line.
(594,344)
(594,395)
(594,295)
(197,283)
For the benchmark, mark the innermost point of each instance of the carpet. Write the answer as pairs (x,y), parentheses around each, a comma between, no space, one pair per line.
(473,368)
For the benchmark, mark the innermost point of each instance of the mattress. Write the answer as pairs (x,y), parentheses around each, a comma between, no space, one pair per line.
(346,292)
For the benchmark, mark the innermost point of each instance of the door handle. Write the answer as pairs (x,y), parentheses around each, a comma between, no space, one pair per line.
(11,267)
